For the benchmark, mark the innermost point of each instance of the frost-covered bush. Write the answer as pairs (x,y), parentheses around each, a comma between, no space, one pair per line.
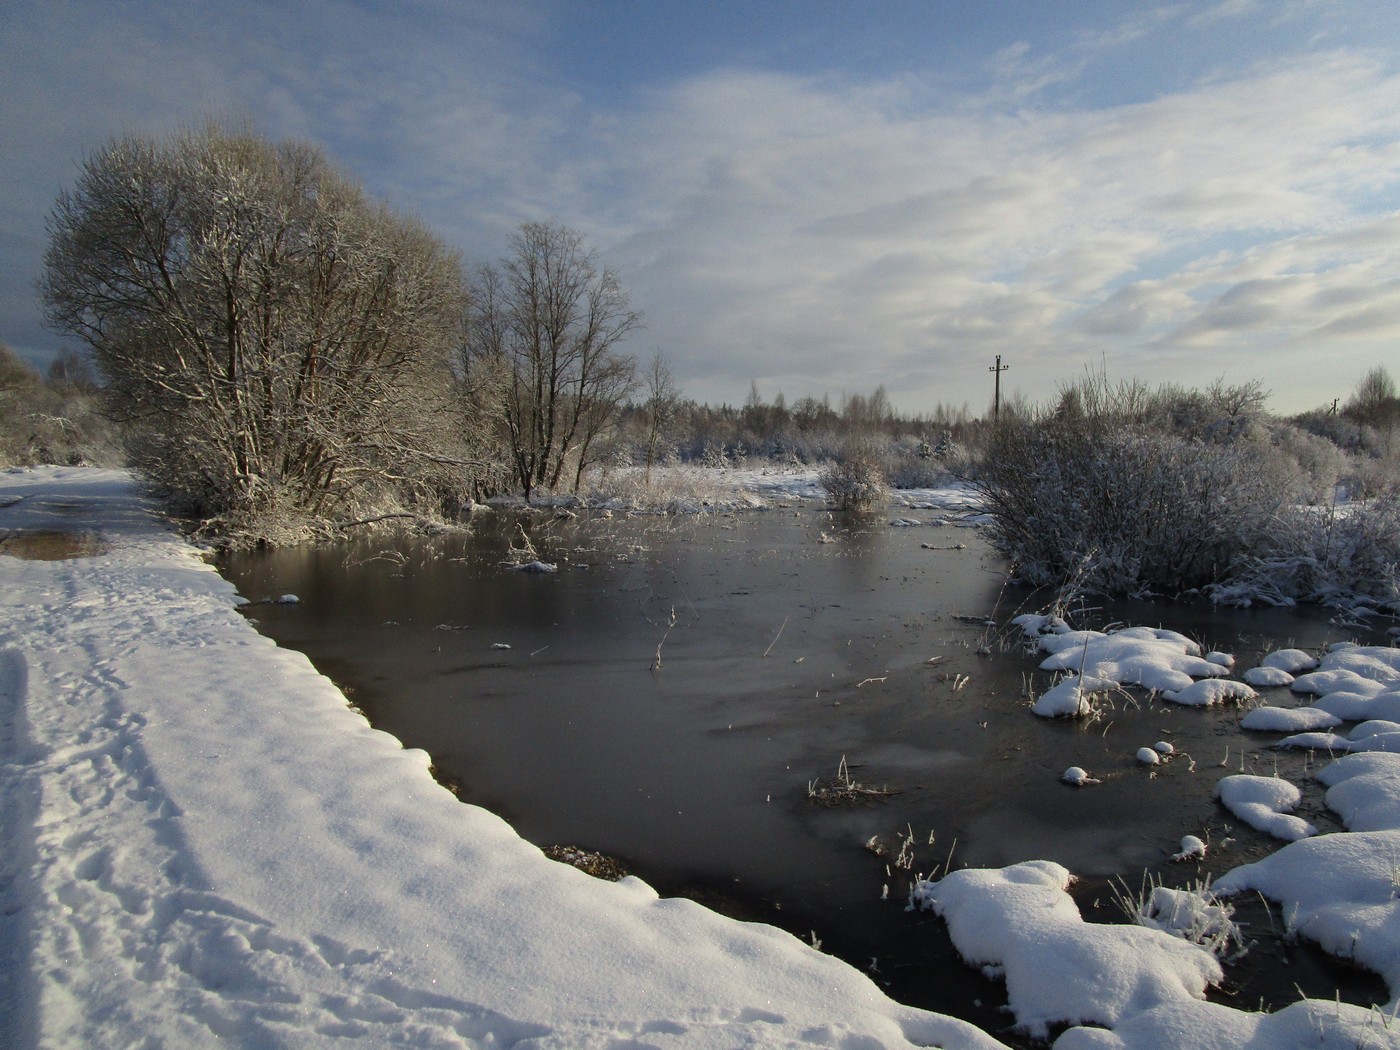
(1092,488)
(855,480)
(1321,464)
(1333,555)
(917,464)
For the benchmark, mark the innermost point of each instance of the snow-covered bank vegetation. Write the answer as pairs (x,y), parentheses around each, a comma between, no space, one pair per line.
(1124,489)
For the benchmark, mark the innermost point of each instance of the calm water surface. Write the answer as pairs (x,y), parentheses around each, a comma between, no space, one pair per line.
(787,640)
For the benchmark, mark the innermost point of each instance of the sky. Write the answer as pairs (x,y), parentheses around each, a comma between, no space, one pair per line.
(811,196)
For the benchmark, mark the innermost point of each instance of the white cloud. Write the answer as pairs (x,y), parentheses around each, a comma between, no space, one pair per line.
(836,239)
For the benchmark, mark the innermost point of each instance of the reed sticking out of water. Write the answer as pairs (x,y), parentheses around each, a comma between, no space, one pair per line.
(775,637)
(656,660)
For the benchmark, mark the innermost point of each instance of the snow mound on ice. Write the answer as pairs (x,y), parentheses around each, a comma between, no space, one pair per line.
(1288,719)
(1268,676)
(1290,661)
(1209,1026)
(1364,790)
(1149,657)
(1071,697)
(1019,923)
(1265,803)
(1210,691)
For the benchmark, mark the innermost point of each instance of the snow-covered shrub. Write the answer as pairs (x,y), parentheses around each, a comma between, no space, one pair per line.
(855,480)
(1321,464)
(1129,506)
(1335,555)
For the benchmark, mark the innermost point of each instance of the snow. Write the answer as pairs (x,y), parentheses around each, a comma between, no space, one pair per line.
(207,846)
(1265,803)
(1209,691)
(1265,677)
(1288,719)
(1362,789)
(1151,658)
(1192,848)
(1149,756)
(1020,923)
(1071,697)
(1290,661)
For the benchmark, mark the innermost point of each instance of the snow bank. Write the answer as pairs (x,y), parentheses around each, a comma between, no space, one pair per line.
(206,846)
(1265,803)
(1019,923)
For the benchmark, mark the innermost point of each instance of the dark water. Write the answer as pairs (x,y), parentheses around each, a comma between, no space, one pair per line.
(787,640)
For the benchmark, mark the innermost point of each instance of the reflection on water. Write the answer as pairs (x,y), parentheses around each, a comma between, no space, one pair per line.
(798,638)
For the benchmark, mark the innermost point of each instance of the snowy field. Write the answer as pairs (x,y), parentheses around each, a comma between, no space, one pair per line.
(204,844)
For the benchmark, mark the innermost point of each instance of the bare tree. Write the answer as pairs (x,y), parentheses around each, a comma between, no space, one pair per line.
(1374,402)
(663,400)
(276,341)
(554,319)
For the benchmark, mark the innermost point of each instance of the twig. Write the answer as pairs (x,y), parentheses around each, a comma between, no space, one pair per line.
(776,637)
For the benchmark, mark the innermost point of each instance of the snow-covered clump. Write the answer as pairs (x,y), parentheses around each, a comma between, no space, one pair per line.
(1072,697)
(1193,914)
(1379,663)
(1265,677)
(1360,706)
(1335,680)
(1149,756)
(1265,803)
(1077,776)
(1034,624)
(1210,691)
(1225,660)
(1337,890)
(1192,848)
(1019,923)
(1376,735)
(1209,1026)
(1288,719)
(1291,661)
(1364,790)
(1149,657)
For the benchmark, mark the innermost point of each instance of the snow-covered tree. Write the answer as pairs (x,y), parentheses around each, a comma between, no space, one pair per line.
(275,341)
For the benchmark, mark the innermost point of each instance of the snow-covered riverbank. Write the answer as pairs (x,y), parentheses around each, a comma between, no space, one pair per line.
(205,844)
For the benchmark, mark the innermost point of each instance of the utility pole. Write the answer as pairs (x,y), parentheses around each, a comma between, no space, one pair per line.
(998,368)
